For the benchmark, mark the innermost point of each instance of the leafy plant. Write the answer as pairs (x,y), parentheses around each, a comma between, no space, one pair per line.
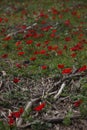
(67,120)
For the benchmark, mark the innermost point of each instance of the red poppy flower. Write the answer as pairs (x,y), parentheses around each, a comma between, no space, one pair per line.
(46,28)
(7,38)
(52,35)
(74,13)
(18,65)
(43,22)
(67,22)
(36,52)
(6,19)
(21,110)
(60,52)
(38,44)
(44,67)
(49,47)
(11,121)
(24,12)
(16,80)
(16,114)
(55,11)
(67,71)
(18,43)
(42,14)
(4,56)
(1,20)
(67,39)
(23,27)
(40,107)
(33,58)
(78,103)
(43,52)
(46,42)
(19,48)
(60,16)
(73,55)
(83,68)
(21,53)
(65,47)
(55,47)
(54,31)
(60,66)
(29,42)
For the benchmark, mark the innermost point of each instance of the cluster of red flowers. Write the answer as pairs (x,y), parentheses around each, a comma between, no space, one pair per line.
(13,115)
(45,48)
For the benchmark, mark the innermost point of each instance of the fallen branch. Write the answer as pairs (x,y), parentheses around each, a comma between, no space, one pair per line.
(60,119)
(60,91)
(22,30)
(50,120)
(69,77)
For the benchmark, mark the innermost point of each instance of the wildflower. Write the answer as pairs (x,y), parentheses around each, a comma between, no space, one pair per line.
(11,121)
(36,52)
(59,52)
(65,47)
(74,13)
(1,19)
(52,35)
(4,56)
(16,80)
(55,11)
(67,22)
(78,103)
(21,110)
(18,66)
(18,43)
(38,44)
(60,16)
(21,53)
(46,42)
(49,47)
(13,115)
(44,67)
(40,107)
(6,19)
(67,71)
(43,52)
(16,114)
(55,47)
(83,68)
(7,38)
(73,55)
(67,39)
(54,31)
(23,27)
(19,48)
(33,58)
(29,42)
(60,66)
(46,28)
